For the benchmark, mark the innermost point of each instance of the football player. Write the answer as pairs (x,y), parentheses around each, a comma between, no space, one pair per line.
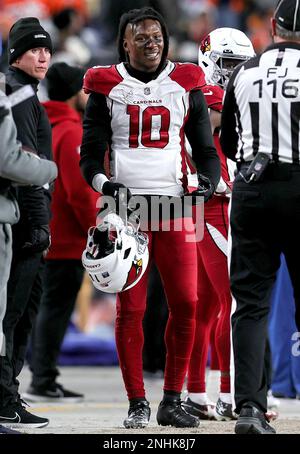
(219,53)
(141,108)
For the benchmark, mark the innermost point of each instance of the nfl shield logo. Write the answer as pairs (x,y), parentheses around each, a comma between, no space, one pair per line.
(147,91)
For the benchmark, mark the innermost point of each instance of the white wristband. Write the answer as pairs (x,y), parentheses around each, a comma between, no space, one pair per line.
(98,181)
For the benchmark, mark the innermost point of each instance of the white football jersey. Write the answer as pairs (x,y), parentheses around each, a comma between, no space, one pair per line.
(147,122)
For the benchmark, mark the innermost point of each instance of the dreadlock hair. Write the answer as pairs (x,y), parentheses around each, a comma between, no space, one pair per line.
(133,17)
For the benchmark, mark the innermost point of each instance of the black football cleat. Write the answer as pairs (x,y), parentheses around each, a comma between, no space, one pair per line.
(206,411)
(138,414)
(172,413)
(224,411)
(252,421)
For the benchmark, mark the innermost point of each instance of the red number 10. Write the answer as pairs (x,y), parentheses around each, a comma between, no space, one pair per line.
(148,113)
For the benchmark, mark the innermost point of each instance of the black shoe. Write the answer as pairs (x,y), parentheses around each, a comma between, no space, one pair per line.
(138,414)
(204,412)
(252,421)
(171,413)
(6,430)
(16,416)
(55,393)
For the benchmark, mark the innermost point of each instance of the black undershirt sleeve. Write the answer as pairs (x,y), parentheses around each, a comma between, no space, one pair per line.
(198,132)
(229,135)
(96,137)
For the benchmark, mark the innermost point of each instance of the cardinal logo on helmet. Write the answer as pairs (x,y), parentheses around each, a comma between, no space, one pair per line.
(205,45)
(136,268)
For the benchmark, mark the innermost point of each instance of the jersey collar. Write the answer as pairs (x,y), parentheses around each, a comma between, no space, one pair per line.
(163,74)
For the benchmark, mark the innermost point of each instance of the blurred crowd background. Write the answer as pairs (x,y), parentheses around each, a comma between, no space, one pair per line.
(84,33)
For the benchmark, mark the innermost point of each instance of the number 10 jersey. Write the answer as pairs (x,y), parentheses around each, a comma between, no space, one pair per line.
(147,122)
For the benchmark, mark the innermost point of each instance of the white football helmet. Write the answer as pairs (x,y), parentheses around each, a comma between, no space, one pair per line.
(116,255)
(221,51)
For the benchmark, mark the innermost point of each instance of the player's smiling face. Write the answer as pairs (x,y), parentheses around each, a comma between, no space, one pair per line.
(144,44)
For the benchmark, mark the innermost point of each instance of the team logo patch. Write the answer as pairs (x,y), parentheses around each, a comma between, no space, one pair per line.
(205,45)
(134,271)
(147,91)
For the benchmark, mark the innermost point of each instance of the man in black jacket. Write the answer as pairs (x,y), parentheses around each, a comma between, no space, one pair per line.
(30,51)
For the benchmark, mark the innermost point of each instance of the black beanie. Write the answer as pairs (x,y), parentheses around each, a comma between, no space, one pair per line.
(64,81)
(27,33)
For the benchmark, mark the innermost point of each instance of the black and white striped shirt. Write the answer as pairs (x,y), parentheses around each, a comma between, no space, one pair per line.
(261,111)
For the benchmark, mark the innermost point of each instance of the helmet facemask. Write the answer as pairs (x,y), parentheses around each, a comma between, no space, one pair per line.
(221,51)
(224,67)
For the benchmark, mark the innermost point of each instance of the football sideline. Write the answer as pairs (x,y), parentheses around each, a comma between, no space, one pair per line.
(105,407)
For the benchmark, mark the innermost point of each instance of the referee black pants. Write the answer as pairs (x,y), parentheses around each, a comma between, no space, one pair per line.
(265,221)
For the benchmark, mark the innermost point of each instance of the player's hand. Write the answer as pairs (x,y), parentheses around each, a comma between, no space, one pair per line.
(205,189)
(115,190)
(120,193)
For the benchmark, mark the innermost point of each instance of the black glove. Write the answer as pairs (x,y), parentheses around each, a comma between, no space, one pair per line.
(3,112)
(39,240)
(205,189)
(119,192)
(113,189)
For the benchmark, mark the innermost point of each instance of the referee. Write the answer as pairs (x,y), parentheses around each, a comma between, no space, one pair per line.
(260,130)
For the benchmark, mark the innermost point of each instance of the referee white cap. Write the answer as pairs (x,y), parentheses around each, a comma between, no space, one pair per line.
(287,14)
